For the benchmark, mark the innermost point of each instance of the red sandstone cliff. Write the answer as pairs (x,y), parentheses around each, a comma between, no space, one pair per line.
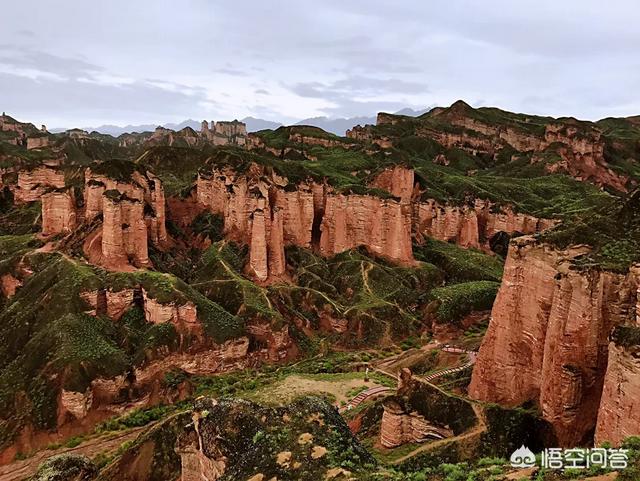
(619,412)
(58,212)
(472,226)
(260,210)
(381,225)
(548,335)
(33,183)
(127,227)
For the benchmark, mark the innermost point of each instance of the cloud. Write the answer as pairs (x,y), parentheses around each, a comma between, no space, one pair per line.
(359,95)
(543,56)
(22,57)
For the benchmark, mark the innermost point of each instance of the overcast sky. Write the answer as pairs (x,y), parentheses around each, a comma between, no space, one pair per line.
(85,63)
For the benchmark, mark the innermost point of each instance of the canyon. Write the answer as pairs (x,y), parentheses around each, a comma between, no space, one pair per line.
(139,270)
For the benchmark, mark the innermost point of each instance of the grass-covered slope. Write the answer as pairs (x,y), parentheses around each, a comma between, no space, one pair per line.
(50,339)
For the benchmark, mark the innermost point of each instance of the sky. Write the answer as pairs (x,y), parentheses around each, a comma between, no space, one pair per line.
(79,63)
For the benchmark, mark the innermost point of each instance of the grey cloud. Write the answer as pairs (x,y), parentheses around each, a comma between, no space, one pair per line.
(232,72)
(575,57)
(24,57)
(77,99)
(342,94)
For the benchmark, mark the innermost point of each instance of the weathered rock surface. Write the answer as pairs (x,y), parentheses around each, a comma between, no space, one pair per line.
(225,132)
(400,427)
(472,226)
(260,210)
(619,412)
(33,183)
(9,284)
(381,225)
(117,302)
(133,214)
(58,212)
(547,339)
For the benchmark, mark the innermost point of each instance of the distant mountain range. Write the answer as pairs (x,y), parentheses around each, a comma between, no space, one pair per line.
(337,126)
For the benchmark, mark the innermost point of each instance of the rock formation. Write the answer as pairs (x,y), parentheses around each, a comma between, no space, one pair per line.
(118,302)
(33,183)
(252,217)
(264,212)
(9,285)
(381,225)
(548,335)
(225,133)
(58,212)
(183,316)
(472,225)
(619,413)
(38,142)
(133,213)
(398,181)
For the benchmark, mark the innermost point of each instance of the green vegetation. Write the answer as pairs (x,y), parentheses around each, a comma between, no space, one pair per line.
(612,232)
(458,300)
(458,264)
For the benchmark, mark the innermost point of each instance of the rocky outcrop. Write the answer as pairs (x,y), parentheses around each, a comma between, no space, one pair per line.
(256,214)
(619,412)
(398,181)
(367,134)
(580,146)
(133,214)
(548,335)
(381,225)
(400,427)
(124,231)
(225,133)
(183,316)
(472,225)
(58,212)
(38,142)
(33,183)
(118,302)
(264,212)
(9,285)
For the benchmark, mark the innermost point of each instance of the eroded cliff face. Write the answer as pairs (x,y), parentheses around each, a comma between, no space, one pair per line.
(265,212)
(58,212)
(548,336)
(472,225)
(619,412)
(581,148)
(381,225)
(33,183)
(133,214)
(261,212)
(253,214)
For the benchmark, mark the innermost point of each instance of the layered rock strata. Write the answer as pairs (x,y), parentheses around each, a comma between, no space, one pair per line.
(33,183)
(547,341)
(472,225)
(266,214)
(619,412)
(133,214)
(58,212)
(225,132)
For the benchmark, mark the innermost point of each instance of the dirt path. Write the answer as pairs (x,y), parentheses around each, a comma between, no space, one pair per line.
(19,470)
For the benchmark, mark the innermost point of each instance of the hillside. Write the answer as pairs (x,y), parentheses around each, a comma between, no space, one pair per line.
(139,272)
